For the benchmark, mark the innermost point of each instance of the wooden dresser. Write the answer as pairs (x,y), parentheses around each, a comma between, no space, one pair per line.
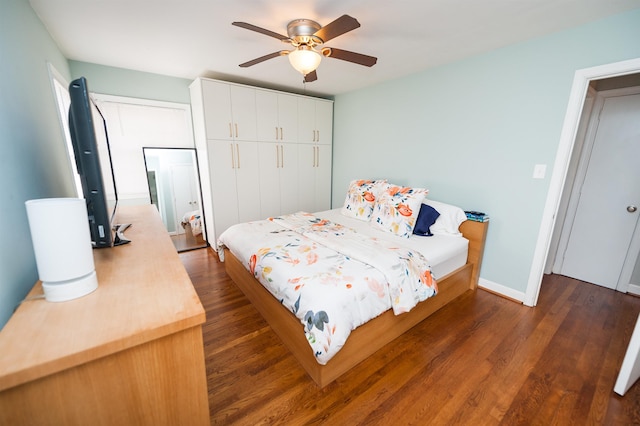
(129,353)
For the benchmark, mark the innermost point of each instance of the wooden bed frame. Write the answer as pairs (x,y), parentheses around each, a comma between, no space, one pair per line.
(371,336)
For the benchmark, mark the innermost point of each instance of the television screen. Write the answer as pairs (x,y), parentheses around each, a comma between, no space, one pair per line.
(90,141)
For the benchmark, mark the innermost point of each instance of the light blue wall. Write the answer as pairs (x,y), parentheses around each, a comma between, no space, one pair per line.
(33,158)
(472,131)
(134,84)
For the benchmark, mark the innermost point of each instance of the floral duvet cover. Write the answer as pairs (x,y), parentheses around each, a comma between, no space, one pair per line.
(332,278)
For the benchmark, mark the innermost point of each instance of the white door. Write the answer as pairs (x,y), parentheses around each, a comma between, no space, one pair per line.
(607,215)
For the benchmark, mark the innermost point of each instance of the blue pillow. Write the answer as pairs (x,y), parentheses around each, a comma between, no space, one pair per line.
(426,218)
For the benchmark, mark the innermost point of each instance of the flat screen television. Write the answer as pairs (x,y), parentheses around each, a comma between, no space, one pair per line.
(90,140)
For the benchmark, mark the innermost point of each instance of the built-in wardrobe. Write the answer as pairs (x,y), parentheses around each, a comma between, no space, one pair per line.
(261,152)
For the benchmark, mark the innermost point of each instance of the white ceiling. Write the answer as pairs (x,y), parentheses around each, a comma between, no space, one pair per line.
(191,38)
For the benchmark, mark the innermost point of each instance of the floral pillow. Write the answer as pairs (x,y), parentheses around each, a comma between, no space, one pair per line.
(361,197)
(397,209)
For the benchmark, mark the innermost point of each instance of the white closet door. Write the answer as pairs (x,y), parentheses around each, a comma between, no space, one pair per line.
(269,154)
(324,122)
(267,116)
(306,120)
(323,178)
(247,181)
(243,111)
(289,178)
(306,177)
(216,99)
(288,117)
(224,191)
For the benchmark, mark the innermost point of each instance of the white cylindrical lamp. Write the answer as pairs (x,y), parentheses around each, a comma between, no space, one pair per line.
(62,245)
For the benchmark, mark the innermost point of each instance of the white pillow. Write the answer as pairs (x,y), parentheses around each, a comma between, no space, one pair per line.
(361,198)
(397,209)
(449,220)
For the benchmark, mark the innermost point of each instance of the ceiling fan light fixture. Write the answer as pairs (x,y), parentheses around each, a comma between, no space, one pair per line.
(304,59)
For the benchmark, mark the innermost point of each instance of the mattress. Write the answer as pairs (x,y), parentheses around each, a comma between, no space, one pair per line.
(445,253)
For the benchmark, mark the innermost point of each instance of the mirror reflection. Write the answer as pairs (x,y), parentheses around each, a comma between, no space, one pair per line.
(174,188)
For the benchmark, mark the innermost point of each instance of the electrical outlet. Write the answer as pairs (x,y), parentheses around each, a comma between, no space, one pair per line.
(539,171)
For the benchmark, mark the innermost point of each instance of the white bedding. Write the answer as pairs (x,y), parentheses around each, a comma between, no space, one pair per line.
(341,288)
(446,253)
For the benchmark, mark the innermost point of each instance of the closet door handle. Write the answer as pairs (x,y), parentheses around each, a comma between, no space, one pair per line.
(230,131)
(276,132)
(318,135)
(318,156)
(236,129)
(233,157)
(238,152)
(281,134)
(277,157)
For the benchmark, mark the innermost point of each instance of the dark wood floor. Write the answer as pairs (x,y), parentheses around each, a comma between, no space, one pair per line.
(481,360)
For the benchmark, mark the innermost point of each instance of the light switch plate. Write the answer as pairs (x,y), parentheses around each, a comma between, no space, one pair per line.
(539,171)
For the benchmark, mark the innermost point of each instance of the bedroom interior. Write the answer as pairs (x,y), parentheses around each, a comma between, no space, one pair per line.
(520,99)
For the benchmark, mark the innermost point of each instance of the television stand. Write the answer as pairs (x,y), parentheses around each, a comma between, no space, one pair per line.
(119,238)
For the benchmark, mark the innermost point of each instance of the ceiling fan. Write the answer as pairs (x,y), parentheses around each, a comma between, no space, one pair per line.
(307,37)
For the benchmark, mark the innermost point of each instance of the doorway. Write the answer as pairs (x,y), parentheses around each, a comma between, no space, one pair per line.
(595,241)
(600,224)
(174,189)
(546,245)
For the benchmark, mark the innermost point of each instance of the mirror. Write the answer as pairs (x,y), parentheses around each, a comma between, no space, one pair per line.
(174,188)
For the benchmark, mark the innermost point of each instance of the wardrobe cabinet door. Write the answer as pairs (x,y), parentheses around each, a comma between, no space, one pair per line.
(224,192)
(247,181)
(216,99)
(324,122)
(243,112)
(269,169)
(289,178)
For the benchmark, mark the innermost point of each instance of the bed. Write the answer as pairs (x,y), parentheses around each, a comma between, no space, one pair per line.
(302,326)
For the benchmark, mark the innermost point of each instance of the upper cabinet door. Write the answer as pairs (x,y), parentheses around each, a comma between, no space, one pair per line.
(288,117)
(315,121)
(277,116)
(306,120)
(216,99)
(229,111)
(267,116)
(324,122)
(243,112)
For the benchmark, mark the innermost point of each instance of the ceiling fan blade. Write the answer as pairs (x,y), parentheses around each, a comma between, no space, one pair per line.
(342,25)
(312,76)
(260,30)
(345,55)
(264,58)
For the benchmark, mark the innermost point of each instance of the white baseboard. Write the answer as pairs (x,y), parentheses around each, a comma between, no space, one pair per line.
(501,290)
(634,289)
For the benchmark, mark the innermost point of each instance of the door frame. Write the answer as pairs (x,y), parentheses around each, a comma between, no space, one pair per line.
(566,220)
(579,88)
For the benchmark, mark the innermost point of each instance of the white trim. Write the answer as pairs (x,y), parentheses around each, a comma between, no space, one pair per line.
(634,289)
(563,156)
(500,289)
